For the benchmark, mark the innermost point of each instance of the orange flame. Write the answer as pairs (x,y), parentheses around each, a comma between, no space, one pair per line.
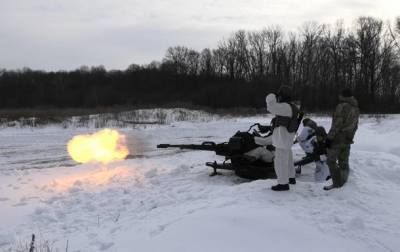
(104,146)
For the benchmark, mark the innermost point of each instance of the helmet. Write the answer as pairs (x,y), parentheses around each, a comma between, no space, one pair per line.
(284,93)
(309,123)
(320,131)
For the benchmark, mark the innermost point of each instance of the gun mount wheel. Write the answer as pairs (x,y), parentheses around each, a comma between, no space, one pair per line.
(245,169)
(253,170)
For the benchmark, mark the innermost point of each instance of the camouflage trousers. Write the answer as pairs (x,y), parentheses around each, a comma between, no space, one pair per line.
(338,162)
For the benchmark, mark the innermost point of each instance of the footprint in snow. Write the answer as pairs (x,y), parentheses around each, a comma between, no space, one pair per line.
(152,173)
(337,220)
(356,223)
(20,204)
(158,230)
(105,245)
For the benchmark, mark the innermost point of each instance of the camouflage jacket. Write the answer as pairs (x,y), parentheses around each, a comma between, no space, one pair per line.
(344,121)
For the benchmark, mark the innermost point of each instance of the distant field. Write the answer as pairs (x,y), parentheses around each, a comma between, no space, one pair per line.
(164,199)
(117,116)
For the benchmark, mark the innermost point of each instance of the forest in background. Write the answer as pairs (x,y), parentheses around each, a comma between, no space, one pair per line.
(317,61)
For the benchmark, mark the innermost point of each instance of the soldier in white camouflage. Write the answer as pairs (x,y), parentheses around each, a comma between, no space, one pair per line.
(340,137)
(285,124)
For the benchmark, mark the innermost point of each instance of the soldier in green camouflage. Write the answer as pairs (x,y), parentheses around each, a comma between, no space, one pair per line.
(340,137)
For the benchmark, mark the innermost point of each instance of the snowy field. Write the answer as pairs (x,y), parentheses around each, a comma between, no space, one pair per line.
(164,200)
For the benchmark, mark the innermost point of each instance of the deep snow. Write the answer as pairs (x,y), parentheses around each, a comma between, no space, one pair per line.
(164,200)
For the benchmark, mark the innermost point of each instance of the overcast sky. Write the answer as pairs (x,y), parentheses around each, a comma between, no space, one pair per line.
(65,34)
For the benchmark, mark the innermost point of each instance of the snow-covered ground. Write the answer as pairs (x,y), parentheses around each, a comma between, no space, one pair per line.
(164,200)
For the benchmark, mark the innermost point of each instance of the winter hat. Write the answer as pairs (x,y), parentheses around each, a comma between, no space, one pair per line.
(346,93)
(285,92)
(305,121)
(320,131)
(309,123)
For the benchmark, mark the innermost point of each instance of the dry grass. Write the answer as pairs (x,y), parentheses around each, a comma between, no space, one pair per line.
(124,116)
(98,118)
(47,113)
(40,245)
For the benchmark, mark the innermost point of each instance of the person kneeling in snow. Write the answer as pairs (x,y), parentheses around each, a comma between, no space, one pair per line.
(321,167)
(307,136)
(318,155)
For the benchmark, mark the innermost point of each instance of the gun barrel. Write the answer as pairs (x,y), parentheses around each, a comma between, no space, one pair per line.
(207,146)
(163,146)
(306,160)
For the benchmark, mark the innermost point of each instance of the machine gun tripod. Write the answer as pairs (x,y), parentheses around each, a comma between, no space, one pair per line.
(234,152)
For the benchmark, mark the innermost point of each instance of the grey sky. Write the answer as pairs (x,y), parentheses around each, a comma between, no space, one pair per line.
(65,34)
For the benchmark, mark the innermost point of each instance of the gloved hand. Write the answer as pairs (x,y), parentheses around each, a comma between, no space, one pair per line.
(328,143)
(273,122)
(264,129)
(270,98)
(270,148)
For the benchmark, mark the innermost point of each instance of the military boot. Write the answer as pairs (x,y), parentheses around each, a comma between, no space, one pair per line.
(329,187)
(280,187)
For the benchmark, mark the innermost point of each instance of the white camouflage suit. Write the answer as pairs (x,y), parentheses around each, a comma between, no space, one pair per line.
(321,169)
(307,144)
(306,139)
(282,140)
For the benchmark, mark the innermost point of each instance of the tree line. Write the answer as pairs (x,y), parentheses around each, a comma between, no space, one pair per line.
(317,61)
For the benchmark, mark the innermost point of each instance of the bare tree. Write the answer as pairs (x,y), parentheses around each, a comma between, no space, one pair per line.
(395,33)
(273,37)
(369,40)
(219,61)
(192,61)
(257,50)
(242,55)
(207,66)
(176,57)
